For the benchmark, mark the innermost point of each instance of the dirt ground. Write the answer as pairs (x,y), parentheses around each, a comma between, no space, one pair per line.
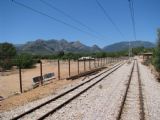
(9,81)
(40,92)
(8,88)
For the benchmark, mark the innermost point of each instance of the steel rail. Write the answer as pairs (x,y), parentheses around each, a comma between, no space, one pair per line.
(75,96)
(142,113)
(63,94)
(126,92)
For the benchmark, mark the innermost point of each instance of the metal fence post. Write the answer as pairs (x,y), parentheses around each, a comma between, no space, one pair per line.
(89,64)
(58,70)
(106,60)
(84,65)
(101,62)
(98,61)
(69,70)
(20,79)
(41,74)
(78,66)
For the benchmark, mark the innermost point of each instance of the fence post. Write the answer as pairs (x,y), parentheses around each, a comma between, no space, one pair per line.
(41,71)
(94,63)
(106,60)
(20,79)
(78,66)
(58,70)
(101,62)
(69,70)
(89,64)
(98,62)
(84,65)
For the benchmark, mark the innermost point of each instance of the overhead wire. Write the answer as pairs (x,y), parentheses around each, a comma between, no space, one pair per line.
(67,15)
(110,19)
(53,18)
(131,7)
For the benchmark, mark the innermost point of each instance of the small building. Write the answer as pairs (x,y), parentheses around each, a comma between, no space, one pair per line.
(86,58)
(147,56)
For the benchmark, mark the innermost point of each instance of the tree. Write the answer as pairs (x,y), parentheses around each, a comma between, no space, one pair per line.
(138,50)
(7,53)
(156,58)
(24,60)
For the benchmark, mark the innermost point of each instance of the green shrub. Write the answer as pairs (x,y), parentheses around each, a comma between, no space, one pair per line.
(156,54)
(24,60)
(156,59)
(7,53)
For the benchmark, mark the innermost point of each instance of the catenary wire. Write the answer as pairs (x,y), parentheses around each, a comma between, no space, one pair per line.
(69,16)
(131,7)
(53,18)
(110,19)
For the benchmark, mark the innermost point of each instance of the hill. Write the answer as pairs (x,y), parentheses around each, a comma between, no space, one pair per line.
(45,47)
(52,46)
(124,45)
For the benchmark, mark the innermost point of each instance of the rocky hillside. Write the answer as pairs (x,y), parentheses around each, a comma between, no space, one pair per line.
(124,45)
(53,46)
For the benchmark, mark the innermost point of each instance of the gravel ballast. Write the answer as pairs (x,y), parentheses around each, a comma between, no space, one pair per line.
(151,93)
(131,110)
(102,101)
(98,103)
(17,111)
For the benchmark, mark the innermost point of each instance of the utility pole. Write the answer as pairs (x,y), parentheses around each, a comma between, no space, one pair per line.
(129,52)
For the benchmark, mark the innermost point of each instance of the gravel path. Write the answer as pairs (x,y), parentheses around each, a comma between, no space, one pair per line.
(131,110)
(15,112)
(98,103)
(151,92)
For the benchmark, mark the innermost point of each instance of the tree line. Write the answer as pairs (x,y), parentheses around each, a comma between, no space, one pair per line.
(9,56)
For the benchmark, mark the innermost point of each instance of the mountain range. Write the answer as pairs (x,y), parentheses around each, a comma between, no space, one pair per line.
(124,45)
(45,47)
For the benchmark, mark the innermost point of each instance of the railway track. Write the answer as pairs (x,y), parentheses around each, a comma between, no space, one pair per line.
(132,106)
(61,100)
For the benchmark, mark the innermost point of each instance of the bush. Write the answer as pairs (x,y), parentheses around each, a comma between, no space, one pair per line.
(156,55)
(7,53)
(24,60)
(6,64)
(156,59)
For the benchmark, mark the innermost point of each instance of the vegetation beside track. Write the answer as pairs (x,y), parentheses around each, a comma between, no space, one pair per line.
(9,57)
(156,55)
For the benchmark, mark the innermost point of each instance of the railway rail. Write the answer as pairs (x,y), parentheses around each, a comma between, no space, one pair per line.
(131,99)
(68,95)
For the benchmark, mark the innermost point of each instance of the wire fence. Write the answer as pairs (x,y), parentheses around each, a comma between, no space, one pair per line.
(19,80)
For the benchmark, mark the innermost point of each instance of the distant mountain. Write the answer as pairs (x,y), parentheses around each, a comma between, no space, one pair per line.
(124,45)
(46,47)
(52,46)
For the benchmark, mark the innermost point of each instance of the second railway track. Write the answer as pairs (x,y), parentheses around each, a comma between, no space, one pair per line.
(132,106)
(40,112)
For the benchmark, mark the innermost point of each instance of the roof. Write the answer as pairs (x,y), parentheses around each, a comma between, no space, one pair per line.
(149,53)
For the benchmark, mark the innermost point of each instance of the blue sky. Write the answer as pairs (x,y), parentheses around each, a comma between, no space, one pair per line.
(19,25)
